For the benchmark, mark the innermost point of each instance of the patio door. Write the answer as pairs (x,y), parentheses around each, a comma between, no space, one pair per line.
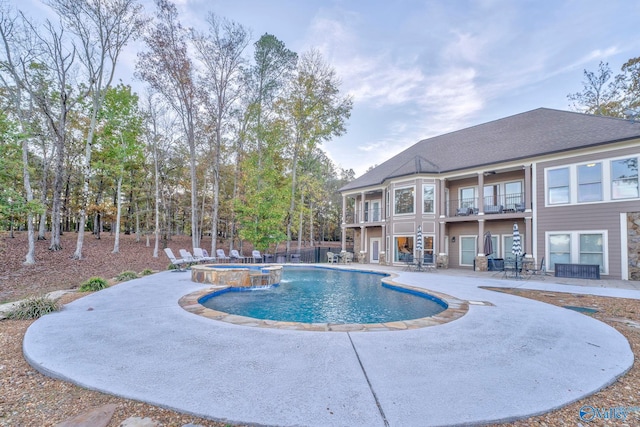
(374,250)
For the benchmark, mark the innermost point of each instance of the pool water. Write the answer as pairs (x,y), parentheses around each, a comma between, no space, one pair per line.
(323,295)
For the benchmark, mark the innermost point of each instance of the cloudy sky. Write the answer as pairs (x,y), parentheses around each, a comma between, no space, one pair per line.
(417,69)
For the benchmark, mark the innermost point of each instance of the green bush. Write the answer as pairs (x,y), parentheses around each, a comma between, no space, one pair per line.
(33,308)
(126,275)
(172,267)
(147,271)
(94,284)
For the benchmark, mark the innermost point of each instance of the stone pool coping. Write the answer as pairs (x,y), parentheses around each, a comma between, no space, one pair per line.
(456,308)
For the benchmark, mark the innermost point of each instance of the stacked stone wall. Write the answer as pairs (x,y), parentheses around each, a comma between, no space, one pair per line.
(633,242)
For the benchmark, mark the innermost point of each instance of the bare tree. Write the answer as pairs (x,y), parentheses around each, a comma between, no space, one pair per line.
(168,69)
(102,29)
(600,93)
(221,54)
(40,62)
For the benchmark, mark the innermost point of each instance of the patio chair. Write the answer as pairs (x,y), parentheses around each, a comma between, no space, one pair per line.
(235,255)
(542,271)
(221,256)
(202,256)
(463,212)
(332,258)
(411,263)
(178,262)
(428,263)
(348,257)
(257,256)
(186,255)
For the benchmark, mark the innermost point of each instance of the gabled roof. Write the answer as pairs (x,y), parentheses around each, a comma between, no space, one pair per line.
(530,134)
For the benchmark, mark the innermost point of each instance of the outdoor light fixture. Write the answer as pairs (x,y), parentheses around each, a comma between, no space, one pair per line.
(453,239)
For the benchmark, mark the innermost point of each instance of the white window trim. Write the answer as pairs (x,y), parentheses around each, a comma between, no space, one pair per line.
(609,179)
(435,199)
(574,249)
(415,196)
(370,214)
(475,243)
(607,182)
(506,249)
(396,250)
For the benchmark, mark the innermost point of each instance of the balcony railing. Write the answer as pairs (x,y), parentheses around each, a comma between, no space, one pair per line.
(508,203)
(370,215)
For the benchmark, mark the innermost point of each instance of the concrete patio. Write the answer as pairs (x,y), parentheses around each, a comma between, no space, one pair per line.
(514,358)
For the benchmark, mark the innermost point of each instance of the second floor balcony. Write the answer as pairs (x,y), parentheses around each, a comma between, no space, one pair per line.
(502,204)
(371,215)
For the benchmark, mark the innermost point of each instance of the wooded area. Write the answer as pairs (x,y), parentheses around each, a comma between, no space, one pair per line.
(225,140)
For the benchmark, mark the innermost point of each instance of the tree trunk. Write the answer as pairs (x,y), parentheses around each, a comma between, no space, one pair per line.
(56,209)
(30,257)
(116,241)
(300,219)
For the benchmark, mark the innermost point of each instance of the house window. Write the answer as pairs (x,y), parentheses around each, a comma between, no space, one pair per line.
(428,249)
(428,199)
(508,244)
(559,249)
(590,182)
(467,250)
(624,178)
(491,195)
(577,247)
(404,199)
(404,249)
(468,197)
(513,196)
(558,186)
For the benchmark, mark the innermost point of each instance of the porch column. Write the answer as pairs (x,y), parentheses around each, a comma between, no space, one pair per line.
(383,205)
(527,187)
(480,201)
(363,250)
(528,244)
(343,225)
(361,207)
(442,198)
(481,259)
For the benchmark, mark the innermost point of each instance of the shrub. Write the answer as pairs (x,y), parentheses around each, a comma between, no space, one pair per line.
(147,271)
(172,267)
(94,284)
(126,275)
(33,308)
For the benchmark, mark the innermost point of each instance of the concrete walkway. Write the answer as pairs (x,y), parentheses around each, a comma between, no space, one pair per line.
(513,359)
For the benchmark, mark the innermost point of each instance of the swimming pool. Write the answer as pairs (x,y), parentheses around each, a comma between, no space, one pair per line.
(325,295)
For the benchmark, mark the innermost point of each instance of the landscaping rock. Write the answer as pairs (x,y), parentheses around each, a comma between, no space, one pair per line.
(97,417)
(139,422)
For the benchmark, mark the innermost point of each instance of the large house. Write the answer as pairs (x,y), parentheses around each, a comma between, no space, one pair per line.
(568,180)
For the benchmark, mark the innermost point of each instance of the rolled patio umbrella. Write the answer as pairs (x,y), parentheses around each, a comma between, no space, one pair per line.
(488,244)
(419,242)
(516,246)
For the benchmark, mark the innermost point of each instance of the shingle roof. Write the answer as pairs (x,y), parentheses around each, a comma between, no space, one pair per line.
(530,134)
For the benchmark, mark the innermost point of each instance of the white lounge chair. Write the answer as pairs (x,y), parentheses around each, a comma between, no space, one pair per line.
(221,256)
(201,255)
(178,262)
(257,256)
(235,255)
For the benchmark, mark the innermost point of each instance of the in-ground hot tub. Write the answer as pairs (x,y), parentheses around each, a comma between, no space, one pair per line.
(237,276)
